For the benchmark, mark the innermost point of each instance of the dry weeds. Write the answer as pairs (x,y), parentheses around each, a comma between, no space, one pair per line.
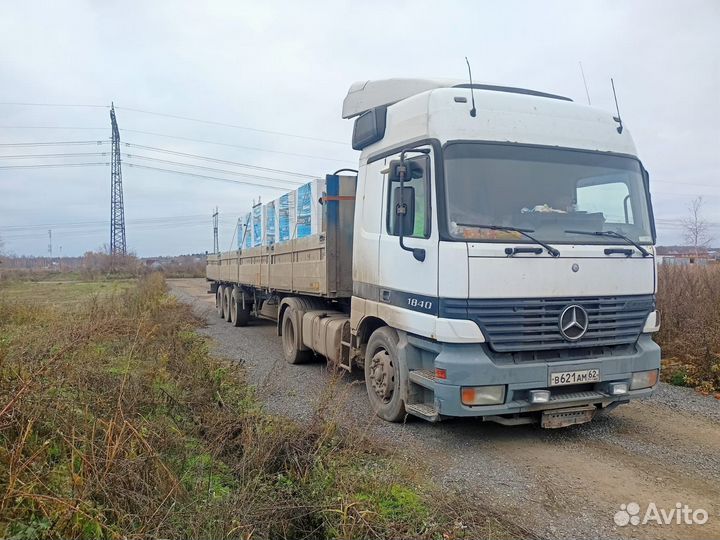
(689,302)
(115,422)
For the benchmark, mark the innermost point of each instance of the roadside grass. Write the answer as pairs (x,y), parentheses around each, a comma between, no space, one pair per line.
(116,422)
(39,274)
(64,291)
(689,303)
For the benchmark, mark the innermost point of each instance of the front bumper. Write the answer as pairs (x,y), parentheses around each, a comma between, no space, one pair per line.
(470,365)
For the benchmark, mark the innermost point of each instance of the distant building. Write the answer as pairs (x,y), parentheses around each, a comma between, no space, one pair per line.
(686,258)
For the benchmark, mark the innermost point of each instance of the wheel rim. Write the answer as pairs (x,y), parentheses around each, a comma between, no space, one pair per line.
(382,375)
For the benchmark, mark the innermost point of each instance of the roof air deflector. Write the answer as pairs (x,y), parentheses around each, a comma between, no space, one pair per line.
(366,95)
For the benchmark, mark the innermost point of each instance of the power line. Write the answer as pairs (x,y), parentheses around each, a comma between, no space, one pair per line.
(213,169)
(23,104)
(38,166)
(254,148)
(214,178)
(176,137)
(64,155)
(145,147)
(216,160)
(177,117)
(54,127)
(236,126)
(136,156)
(682,183)
(54,143)
(73,224)
(102,231)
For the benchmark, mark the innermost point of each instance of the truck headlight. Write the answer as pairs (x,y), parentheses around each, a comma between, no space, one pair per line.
(644,379)
(482,395)
(652,323)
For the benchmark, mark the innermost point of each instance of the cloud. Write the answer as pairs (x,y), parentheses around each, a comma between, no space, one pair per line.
(286,66)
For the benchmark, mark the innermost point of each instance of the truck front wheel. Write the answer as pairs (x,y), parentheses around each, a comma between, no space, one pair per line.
(291,339)
(383,375)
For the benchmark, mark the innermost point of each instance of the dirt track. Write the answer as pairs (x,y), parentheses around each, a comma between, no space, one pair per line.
(561,483)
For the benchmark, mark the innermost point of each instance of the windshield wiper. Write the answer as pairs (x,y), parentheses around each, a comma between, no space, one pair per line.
(551,250)
(613,234)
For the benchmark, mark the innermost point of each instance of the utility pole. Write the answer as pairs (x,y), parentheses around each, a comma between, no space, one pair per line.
(117,208)
(216,243)
(50,244)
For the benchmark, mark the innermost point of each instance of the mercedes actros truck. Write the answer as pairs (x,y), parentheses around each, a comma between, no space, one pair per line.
(491,257)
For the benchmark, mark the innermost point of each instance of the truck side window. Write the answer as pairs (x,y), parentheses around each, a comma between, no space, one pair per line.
(609,198)
(421,187)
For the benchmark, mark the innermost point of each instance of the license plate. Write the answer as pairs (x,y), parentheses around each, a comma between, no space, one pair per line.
(574,377)
(560,418)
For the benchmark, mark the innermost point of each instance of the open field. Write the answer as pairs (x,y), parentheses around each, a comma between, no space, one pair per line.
(558,484)
(61,291)
(116,422)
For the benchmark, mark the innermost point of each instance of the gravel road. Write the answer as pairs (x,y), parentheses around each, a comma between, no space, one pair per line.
(566,483)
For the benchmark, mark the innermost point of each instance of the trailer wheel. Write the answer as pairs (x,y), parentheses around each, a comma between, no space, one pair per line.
(291,339)
(383,375)
(238,315)
(226,303)
(219,300)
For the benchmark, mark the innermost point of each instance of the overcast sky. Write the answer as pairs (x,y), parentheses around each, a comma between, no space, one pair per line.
(286,67)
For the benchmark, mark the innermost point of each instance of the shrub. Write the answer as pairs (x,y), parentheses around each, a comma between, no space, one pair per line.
(689,302)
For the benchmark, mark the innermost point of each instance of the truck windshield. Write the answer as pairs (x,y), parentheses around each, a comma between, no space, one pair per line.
(551,191)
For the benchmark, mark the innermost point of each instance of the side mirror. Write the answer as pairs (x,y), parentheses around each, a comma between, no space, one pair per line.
(403,170)
(412,170)
(404,218)
(404,212)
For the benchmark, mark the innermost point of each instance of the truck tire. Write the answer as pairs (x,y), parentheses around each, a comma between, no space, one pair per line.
(219,300)
(238,315)
(291,339)
(226,303)
(383,376)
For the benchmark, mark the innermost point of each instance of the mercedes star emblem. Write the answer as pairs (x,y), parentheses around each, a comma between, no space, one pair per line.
(573,322)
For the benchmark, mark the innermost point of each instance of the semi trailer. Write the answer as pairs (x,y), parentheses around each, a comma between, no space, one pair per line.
(492,256)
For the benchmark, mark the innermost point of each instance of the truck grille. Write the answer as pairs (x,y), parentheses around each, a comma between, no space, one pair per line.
(512,325)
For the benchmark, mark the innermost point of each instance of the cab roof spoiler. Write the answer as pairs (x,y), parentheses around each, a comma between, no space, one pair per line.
(366,95)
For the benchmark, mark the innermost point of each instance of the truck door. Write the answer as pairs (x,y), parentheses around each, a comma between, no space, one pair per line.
(409,287)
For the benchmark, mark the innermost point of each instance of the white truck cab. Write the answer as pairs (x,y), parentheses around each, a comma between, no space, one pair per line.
(493,257)
(526,276)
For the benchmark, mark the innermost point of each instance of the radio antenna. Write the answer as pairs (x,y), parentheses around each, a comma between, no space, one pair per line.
(617,118)
(587,93)
(473,111)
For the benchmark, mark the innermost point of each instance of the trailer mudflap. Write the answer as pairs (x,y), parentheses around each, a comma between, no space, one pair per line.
(559,418)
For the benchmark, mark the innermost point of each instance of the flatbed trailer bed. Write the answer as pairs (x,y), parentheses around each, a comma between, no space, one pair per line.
(318,265)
